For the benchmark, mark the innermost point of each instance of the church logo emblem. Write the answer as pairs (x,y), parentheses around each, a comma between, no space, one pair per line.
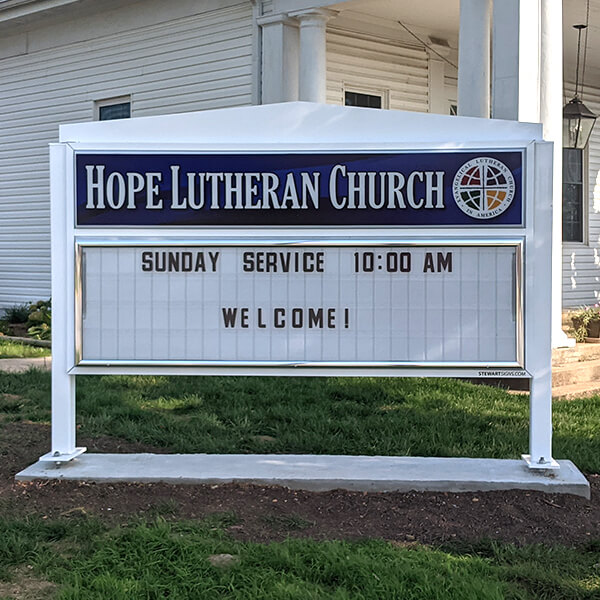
(483,188)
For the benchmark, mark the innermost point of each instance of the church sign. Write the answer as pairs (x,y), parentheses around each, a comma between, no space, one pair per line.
(215,244)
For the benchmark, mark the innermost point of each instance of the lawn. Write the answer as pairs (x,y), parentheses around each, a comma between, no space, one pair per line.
(85,559)
(81,555)
(405,417)
(10,349)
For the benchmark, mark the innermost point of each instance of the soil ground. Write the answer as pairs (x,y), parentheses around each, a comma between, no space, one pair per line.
(273,513)
(17,329)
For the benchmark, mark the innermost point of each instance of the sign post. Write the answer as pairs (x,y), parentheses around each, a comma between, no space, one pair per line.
(359,246)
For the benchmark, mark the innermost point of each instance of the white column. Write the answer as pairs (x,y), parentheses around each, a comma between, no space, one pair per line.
(63,384)
(313,55)
(538,331)
(438,102)
(280,58)
(516,60)
(540,423)
(474,58)
(527,86)
(551,103)
(438,99)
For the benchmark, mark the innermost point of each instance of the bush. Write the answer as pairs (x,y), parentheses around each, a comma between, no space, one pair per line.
(39,322)
(19,313)
(585,320)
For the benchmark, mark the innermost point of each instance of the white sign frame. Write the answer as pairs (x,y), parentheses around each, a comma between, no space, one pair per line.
(535,238)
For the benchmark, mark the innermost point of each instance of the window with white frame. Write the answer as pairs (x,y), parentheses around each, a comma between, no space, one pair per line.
(365,98)
(573,208)
(112,108)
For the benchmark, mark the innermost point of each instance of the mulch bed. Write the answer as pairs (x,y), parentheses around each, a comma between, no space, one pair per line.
(272,513)
(17,329)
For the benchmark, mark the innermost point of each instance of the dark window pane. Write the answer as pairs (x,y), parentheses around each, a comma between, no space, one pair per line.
(572,208)
(572,165)
(454,110)
(364,100)
(115,111)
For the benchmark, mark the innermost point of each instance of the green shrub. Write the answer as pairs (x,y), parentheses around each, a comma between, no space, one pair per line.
(583,320)
(18,313)
(39,323)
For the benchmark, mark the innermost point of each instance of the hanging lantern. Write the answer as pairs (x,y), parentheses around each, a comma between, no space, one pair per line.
(578,122)
(578,119)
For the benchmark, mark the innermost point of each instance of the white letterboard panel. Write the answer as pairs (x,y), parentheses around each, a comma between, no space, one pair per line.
(289,304)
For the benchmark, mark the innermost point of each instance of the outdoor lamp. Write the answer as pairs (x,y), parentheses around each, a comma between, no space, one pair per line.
(578,122)
(578,119)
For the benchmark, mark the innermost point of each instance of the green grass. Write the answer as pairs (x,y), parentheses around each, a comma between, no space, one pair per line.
(158,559)
(83,558)
(413,417)
(15,350)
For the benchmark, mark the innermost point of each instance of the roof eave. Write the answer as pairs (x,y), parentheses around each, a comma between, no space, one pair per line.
(19,9)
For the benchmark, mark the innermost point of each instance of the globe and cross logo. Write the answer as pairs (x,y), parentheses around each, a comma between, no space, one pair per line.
(483,188)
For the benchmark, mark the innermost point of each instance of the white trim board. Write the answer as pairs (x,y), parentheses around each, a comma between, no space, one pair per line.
(301,122)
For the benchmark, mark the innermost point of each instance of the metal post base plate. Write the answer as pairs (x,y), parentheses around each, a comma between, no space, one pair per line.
(57,457)
(550,464)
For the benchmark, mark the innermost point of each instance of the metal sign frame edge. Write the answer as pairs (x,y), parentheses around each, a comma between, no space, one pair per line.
(338,368)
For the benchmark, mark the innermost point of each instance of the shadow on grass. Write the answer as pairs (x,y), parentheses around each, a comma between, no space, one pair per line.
(387,416)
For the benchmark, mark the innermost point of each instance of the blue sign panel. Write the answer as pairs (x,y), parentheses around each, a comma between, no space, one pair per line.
(362,189)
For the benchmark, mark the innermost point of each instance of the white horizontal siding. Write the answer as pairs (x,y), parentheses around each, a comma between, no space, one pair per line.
(267,7)
(361,63)
(199,62)
(581,262)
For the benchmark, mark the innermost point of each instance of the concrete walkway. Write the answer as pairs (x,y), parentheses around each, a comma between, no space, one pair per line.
(20,365)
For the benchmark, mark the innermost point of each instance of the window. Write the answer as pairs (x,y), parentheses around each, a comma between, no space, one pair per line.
(573,212)
(114,108)
(453,110)
(364,100)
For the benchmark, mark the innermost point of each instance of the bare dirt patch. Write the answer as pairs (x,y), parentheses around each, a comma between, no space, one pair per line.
(17,329)
(24,586)
(262,513)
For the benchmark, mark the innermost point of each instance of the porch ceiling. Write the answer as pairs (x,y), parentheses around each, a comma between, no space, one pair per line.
(442,17)
(438,15)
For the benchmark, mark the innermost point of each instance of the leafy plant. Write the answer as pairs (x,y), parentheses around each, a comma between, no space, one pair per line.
(19,313)
(39,323)
(583,318)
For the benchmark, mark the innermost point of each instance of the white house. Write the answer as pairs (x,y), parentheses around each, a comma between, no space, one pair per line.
(65,61)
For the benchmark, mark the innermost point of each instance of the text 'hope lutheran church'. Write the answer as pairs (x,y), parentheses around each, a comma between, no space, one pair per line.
(246,191)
